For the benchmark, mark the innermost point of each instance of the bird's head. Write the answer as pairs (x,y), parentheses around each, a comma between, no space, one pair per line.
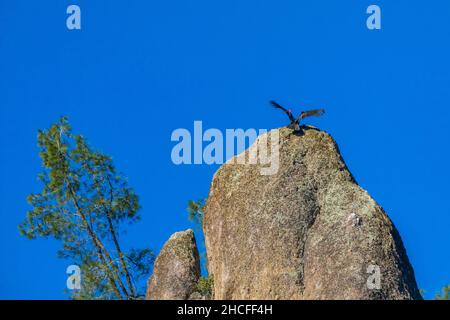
(302,112)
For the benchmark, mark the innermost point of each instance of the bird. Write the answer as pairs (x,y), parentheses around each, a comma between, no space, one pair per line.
(295,122)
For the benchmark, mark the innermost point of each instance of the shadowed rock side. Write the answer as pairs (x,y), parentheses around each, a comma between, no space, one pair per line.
(307,232)
(177,269)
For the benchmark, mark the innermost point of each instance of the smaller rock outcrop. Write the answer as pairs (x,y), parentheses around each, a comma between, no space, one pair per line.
(177,269)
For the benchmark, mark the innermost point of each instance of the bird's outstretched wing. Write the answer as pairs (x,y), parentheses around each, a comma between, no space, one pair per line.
(276,105)
(309,113)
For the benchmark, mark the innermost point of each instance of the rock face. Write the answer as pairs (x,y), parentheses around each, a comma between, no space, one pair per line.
(177,269)
(307,232)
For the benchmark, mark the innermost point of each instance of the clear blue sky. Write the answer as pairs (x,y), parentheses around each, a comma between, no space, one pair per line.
(140,69)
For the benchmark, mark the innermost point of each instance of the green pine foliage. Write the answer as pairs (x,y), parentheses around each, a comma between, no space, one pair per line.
(205,286)
(84,204)
(444,294)
(195,211)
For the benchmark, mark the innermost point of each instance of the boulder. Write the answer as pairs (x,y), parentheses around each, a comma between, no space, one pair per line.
(177,269)
(309,231)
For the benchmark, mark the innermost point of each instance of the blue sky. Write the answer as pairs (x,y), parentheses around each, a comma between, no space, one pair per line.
(140,69)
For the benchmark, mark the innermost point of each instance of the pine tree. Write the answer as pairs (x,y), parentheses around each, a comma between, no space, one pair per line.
(84,203)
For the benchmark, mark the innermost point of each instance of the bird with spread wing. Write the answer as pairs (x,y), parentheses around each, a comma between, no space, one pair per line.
(295,122)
